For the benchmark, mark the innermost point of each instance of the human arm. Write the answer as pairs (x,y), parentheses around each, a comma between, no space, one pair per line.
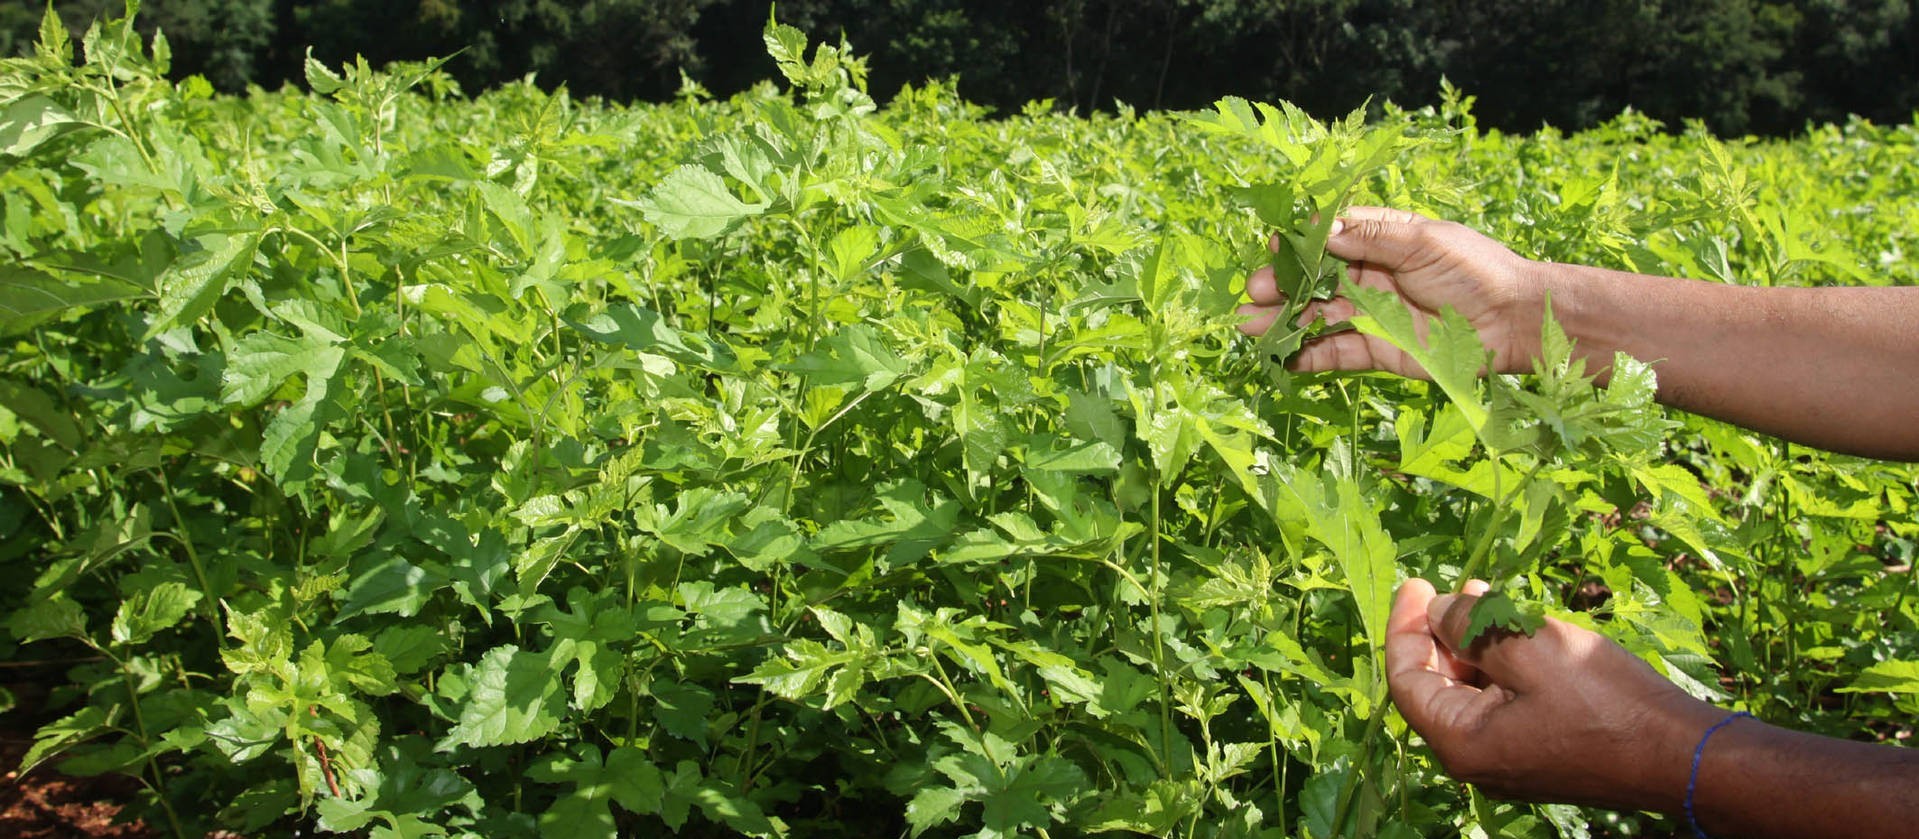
(1566,715)
(1836,368)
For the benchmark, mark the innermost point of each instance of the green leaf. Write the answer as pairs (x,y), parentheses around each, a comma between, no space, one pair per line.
(1340,516)
(1450,353)
(855,355)
(586,810)
(851,249)
(589,633)
(55,44)
(39,410)
(637,783)
(802,671)
(787,46)
(1901,677)
(395,587)
(911,528)
(27,296)
(258,363)
(701,520)
(637,328)
(57,736)
(31,121)
(1501,611)
(684,710)
(408,649)
(195,281)
(53,617)
(933,806)
(145,613)
(1096,458)
(693,203)
(292,433)
(1018,792)
(1159,810)
(721,606)
(320,77)
(513,698)
(350,664)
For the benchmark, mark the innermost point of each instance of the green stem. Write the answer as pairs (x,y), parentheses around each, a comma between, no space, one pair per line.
(1349,794)
(207,598)
(1280,761)
(146,741)
(1483,545)
(1159,653)
(752,744)
(952,691)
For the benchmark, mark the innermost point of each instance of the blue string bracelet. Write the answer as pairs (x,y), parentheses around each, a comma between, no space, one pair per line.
(1692,783)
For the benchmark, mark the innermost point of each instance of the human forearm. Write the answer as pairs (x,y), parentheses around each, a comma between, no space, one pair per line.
(1836,368)
(1758,780)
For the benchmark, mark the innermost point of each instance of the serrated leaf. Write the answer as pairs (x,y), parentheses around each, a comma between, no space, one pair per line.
(787,46)
(801,671)
(586,809)
(1901,677)
(349,664)
(409,648)
(291,433)
(320,77)
(145,613)
(77,727)
(851,248)
(724,606)
(856,355)
(27,295)
(512,697)
(933,806)
(1450,353)
(38,409)
(693,203)
(258,363)
(31,121)
(1096,458)
(644,330)
(682,710)
(55,44)
(1501,611)
(195,281)
(1341,516)
(637,782)
(53,617)
(911,526)
(395,587)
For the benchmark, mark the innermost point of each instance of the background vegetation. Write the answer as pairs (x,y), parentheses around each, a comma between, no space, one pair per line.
(1738,65)
(386,462)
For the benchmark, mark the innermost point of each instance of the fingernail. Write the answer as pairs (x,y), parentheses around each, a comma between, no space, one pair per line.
(1338,225)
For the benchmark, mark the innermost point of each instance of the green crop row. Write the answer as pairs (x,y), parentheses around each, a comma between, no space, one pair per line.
(380,460)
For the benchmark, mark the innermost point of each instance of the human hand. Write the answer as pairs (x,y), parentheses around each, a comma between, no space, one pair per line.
(1564,715)
(1430,265)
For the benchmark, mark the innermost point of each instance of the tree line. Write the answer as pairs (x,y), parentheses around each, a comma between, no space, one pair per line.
(1739,66)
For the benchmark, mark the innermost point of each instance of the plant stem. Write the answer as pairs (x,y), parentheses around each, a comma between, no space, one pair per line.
(1350,794)
(947,687)
(1483,545)
(1159,653)
(207,598)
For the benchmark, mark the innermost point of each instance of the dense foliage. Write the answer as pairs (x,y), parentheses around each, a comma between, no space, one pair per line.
(1738,65)
(381,460)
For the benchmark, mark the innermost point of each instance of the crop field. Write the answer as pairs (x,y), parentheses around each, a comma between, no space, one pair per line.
(386,460)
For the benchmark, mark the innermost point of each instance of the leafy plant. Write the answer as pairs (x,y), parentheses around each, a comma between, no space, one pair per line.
(380,460)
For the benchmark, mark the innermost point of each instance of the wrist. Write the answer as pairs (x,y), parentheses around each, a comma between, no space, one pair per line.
(1531,283)
(1673,730)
